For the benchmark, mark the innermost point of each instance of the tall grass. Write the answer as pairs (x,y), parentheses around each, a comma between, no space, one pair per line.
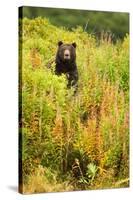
(57,127)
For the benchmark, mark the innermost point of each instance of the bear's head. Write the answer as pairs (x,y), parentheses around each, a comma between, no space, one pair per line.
(66,52)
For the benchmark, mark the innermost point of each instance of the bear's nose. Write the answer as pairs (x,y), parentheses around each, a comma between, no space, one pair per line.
(66,55)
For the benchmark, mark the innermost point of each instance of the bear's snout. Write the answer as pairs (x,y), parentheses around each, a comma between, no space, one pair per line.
(66,54)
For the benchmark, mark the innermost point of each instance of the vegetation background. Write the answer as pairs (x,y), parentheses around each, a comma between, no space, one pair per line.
(56,127)
(93,22)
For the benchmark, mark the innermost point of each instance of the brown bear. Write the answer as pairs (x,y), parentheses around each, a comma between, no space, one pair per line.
(66,63)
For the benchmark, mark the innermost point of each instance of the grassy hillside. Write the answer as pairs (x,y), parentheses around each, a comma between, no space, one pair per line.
(93,22)
(57,127)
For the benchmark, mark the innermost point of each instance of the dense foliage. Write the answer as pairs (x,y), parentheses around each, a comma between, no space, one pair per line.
(57,127)
(91,21)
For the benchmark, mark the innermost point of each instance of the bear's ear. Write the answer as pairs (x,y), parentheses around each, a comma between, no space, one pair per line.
(60,43)
(74,44)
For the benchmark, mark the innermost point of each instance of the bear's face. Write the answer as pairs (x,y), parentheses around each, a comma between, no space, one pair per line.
(66,52)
